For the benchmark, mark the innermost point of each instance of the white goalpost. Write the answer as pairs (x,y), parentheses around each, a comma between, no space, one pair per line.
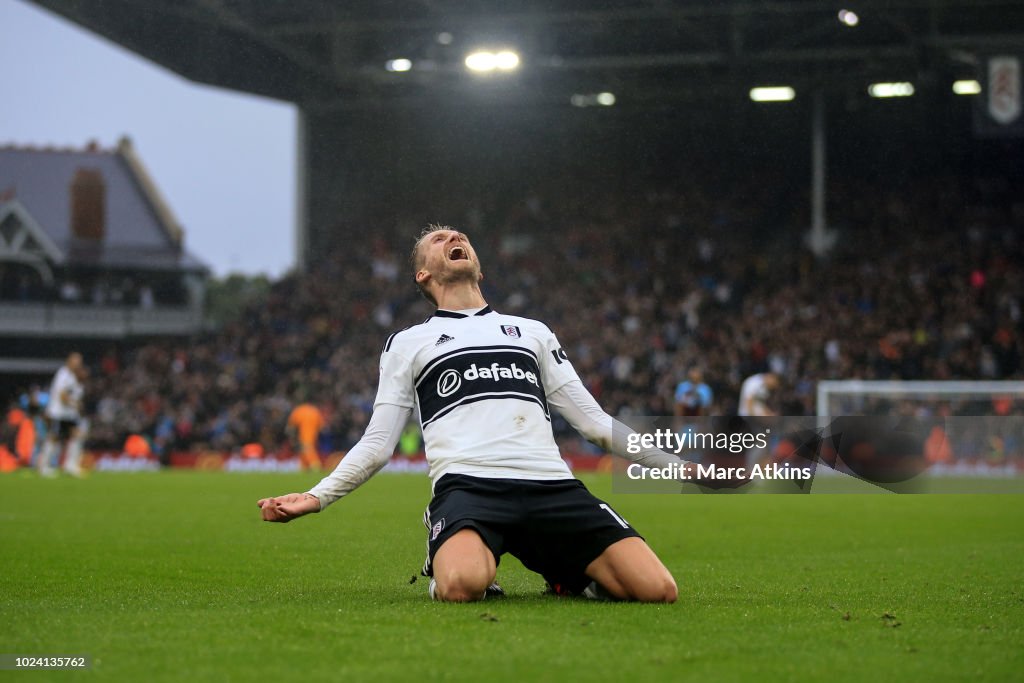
(875,397)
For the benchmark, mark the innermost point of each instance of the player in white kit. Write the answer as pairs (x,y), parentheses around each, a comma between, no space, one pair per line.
(756,393)
(484,384)
(63,413)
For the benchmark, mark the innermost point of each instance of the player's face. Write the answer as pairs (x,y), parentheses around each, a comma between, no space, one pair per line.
(448,256)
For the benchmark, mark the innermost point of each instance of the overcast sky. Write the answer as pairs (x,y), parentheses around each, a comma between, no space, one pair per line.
(223,160)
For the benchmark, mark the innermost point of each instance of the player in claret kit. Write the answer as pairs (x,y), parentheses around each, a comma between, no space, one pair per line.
(484,384)
(693,397)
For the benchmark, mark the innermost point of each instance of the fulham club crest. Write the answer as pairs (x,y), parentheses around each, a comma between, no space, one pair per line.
(511,331)
(1004,96)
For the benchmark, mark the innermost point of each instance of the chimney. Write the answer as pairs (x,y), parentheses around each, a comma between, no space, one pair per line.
(88,205)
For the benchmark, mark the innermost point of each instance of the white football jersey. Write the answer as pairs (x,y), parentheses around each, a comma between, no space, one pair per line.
(58,408)
(754,396)
(480,381)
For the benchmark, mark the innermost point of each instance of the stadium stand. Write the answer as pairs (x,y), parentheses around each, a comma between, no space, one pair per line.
(90,257)
(88,228)
(638,286)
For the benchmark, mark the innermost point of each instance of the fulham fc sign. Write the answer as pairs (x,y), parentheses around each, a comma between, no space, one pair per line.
(998,111)
(1004,89)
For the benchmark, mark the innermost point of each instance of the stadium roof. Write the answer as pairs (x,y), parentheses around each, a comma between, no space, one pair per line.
(323,53)
(140,231)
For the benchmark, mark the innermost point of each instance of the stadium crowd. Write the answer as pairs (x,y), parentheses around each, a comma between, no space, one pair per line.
(22,284)
(925,281)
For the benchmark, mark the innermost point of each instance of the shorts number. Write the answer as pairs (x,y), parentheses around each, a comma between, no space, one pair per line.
(618,519)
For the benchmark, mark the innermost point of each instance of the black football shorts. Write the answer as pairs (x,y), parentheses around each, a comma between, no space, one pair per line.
(555,528)
(62,428)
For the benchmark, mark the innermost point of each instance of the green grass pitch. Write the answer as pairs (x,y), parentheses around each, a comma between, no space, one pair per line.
(171,576)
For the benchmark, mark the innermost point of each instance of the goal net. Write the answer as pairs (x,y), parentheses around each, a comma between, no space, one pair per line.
(975,427)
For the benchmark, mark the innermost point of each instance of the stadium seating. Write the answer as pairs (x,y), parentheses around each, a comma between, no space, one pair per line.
(927,282)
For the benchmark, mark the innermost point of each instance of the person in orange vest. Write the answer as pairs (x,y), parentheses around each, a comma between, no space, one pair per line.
(936,447)
(253,450)
(305,423)
(136,446)
(23,429)
(25,441)
(32,431)
(8,430)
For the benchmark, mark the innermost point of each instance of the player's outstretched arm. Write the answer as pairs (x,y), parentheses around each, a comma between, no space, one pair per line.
(362,461)
(582,411)
(287,507)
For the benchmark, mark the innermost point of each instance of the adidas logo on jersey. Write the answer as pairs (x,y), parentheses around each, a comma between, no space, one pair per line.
(443,339)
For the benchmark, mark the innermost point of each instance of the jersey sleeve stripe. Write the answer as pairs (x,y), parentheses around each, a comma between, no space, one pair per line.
(387,344)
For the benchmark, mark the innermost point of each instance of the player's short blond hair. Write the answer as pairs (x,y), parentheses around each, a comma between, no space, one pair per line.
(416,260)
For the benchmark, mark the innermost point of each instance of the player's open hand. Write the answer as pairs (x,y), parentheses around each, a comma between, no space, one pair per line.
(288,507)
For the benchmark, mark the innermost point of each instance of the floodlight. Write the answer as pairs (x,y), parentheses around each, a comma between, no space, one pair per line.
(506,60)
(400,64)
(891,89)
(778,93)
(968,87)
(480,61)
(848,17)
(483,61)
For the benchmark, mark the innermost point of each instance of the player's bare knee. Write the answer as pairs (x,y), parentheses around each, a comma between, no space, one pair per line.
(670,592)
(457,585)
(662,589)
(459,594)
(458,590)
